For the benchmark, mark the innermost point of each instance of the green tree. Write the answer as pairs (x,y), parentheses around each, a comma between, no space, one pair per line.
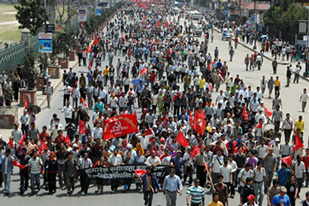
(29,72)
(30,15)
(284,16)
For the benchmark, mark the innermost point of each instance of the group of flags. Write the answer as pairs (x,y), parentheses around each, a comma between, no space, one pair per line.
(198,124)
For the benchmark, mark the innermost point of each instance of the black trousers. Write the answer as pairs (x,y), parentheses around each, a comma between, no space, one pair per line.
(287,133)
(66,97)
(188,172)
(201,175)
(277,90)
(84,181)
(148,195)
(52,182)
(24,180)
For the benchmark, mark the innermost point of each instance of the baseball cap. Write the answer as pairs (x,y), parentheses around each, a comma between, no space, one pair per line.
(283,189)
(251,197)
(277,139)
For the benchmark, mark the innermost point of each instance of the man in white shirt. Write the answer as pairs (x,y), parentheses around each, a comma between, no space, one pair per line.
(217,162)
(303,99)
(115,160)
(97,132)
(66,93)
(67,110)
(16,133)
(75,96)
(226,172)
(123,102)
(153,160)
(300,172)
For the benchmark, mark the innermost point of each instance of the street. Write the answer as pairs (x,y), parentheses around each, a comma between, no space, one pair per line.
(290,101)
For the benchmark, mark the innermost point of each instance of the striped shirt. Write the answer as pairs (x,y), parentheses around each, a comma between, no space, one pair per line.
(196,193)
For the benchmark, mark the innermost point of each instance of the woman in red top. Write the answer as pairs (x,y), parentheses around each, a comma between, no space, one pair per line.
(101,163)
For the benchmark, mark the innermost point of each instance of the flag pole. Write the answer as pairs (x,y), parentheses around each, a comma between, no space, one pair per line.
(210,179)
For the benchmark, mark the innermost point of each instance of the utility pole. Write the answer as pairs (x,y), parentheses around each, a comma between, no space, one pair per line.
(255,36)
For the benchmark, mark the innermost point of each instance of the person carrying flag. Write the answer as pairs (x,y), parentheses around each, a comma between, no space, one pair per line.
(150,185)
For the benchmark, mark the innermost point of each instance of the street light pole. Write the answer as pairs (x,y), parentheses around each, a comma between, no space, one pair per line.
(255,35)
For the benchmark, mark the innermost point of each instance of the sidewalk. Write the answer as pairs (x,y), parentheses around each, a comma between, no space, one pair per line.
(41,100)
(267,55)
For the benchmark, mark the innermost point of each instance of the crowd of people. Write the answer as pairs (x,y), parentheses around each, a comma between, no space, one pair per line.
(171,77)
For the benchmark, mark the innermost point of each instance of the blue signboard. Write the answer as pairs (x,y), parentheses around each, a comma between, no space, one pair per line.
(45,44)
(98,11)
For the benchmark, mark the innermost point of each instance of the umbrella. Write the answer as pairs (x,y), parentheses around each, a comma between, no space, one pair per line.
(36,109)
(136,81)
(264,36)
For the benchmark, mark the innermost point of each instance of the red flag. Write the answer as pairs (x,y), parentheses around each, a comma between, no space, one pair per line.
(67,140)
(120,125)
(298,143)
(195,151)
(11,143)
(287,160)
(199,123)
(148,132)
(88,50)
(134,112)
(96,40)
(268,113)
(90,63)
(21,141)
(139,172)
(190,117)
(245,114)
(182,140)
(168,52)
(79,146)
(26,104)
(17,164)
(158,24)
(203,114)
(204,163)
(83,101)
(43,147)
(154,41)
(82,127)
(143,71)
(210,87)
(260,125)
(166,24)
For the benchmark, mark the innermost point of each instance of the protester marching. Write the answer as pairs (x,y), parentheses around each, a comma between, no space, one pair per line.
(167,117)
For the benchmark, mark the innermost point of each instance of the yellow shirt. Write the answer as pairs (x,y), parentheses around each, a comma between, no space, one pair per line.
(202,83)
(277,83)
(212,203)
(300,125)
(105,72)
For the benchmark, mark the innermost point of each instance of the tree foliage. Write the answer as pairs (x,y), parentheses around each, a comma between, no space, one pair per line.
(284,16)
(30,15)
(93,22)
(29,72)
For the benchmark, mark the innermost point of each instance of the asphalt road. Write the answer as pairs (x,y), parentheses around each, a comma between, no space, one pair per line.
(289,96)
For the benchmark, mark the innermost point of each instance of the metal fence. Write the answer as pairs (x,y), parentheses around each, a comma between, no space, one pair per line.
(14,55)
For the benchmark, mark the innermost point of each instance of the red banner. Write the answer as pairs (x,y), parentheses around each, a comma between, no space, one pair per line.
(119,126)
(199,123)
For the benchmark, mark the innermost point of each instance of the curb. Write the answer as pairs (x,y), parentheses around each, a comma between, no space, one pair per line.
(56,88)
(247,47)
(304,78)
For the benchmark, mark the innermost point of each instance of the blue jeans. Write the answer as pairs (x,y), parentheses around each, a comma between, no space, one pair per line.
(259,192)
(7,182)
(35,179)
